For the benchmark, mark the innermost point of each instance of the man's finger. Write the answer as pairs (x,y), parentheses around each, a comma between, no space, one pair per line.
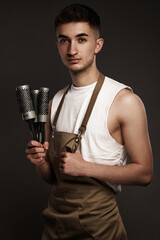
(46,145)
(34,143)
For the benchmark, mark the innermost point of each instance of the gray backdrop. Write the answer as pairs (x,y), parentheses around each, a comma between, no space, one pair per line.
(29,56)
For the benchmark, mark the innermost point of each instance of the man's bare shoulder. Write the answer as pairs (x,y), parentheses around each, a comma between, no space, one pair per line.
(126,96)
(128,105)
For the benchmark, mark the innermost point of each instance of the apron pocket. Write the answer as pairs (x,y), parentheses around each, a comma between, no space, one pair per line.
(64,142)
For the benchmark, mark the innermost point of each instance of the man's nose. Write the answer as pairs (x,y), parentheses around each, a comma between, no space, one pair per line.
(72,48)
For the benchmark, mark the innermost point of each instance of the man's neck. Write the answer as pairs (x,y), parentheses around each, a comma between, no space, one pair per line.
(84,78)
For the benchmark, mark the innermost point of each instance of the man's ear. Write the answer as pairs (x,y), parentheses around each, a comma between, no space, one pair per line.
(99,45)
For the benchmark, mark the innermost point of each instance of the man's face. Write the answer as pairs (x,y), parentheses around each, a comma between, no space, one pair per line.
(77,45)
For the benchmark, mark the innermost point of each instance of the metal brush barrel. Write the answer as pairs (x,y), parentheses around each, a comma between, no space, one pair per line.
(26,107)
(43,100)
(25,102)
(35,94)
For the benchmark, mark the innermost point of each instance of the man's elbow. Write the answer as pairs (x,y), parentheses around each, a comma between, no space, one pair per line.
(146,178)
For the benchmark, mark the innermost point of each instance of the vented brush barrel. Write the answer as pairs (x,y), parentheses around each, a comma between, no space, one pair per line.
(25,102)
(26,107)
(43,100)
(35,95)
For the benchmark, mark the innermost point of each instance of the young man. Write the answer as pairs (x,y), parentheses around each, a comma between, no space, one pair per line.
(84,155)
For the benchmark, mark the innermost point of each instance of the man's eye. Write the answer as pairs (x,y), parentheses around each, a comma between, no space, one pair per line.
(82,40)
(63,40)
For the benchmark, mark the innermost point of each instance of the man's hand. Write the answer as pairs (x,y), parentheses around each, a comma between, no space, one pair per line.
(72,163)
(36,152)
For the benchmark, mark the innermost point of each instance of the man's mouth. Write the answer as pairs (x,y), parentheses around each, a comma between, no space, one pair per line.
(73,60)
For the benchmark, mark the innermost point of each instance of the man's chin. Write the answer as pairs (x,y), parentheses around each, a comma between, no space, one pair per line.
(75,69)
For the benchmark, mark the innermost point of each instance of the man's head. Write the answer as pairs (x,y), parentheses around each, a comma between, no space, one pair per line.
(78,40)
(79,13)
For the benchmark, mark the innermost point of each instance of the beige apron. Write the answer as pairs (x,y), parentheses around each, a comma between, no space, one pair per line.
(79,208)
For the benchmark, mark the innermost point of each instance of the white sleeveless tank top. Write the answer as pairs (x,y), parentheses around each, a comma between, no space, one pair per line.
(97,145)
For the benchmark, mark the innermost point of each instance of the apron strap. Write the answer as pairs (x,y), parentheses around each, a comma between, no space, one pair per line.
(59,107)
(90,105)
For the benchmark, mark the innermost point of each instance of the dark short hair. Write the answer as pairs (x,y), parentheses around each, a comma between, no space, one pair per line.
(78,13)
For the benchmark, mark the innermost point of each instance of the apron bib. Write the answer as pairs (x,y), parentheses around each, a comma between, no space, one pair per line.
(79,208)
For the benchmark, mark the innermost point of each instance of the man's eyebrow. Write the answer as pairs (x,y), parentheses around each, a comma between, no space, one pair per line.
(78,35)
(82,35)
(62,36)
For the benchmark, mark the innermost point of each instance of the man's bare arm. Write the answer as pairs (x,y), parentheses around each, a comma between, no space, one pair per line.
(132,118)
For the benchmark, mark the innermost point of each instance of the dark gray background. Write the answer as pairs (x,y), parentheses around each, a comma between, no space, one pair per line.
(29,56)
